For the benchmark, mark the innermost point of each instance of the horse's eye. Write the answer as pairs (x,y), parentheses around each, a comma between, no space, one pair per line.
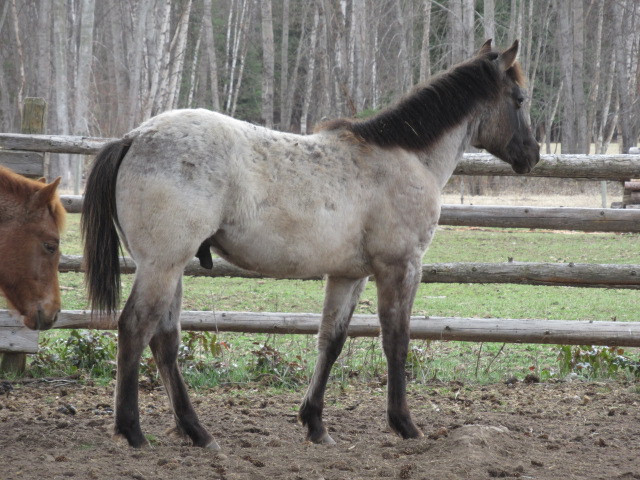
(51,247)
(519,101)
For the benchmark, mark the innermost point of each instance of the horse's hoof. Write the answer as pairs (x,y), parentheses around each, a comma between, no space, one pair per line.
(121,439)
(324,439)
(411,433)
(213,445)
(175,432)
(327,440)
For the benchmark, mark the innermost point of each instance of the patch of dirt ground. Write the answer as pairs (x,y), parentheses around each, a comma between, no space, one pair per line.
(576,430)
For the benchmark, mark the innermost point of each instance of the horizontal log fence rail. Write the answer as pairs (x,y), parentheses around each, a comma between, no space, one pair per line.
(595,167)
(14,337)
(549,218)
(525,273)
(561,332)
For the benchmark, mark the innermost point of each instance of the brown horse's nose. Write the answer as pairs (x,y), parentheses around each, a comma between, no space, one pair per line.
(43,322)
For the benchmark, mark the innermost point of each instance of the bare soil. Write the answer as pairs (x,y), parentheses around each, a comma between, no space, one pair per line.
(567,430)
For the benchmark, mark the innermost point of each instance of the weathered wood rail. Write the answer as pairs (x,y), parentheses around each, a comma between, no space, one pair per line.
(525,273)
(562,332)
(551,218)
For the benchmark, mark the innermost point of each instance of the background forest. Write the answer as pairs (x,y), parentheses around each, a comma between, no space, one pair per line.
(105,65)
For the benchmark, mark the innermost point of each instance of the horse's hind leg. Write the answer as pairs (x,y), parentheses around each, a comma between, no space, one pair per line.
(341,298)
(164,346)
(136,326)
(147,308)
(397,285)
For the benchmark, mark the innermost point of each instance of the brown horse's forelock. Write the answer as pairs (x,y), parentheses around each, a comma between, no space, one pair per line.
(20,189)
(419,119)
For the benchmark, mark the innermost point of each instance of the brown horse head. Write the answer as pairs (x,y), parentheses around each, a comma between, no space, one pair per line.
(31,218)
(504,129)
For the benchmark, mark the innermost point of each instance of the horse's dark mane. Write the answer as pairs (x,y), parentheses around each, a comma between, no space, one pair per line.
(424,115)
(22,188)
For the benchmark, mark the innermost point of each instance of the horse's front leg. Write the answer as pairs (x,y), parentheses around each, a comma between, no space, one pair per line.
(397,285)
(341,298)
(164,345)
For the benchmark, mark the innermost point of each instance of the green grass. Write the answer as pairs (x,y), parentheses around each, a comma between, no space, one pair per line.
(287,360)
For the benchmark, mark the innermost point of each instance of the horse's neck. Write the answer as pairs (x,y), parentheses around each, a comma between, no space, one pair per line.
(443,156)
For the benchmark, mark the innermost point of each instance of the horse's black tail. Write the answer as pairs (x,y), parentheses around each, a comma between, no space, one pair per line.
(98,227)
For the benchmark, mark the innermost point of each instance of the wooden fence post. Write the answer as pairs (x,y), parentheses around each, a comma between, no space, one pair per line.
(34,114)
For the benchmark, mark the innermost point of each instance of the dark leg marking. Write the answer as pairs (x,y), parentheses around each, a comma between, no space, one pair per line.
(341,299)
(164,345)
(131,343)
(397,286)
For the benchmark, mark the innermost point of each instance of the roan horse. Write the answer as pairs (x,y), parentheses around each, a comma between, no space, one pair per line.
(31,218)
(356,198)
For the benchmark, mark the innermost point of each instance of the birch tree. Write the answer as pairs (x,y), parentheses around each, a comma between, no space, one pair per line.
(284,60)
(489,20)
(85,57)
(267,63)
(60,163)
(306,101)
(625,39)
(425,55)
(212,57)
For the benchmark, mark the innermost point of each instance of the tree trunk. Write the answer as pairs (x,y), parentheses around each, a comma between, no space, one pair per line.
(211,55)
(85,57)
(135,69)
(595,75)
(120,73)
(425,55)
(468,15)
(60,163)
(293,82)
(565,39)
(235,49)
(22,79)
(177,55)
(306,101)
(513,20)
(489,20)
(267,63)
(582,138)
(159,69)
(628,123)
(358,32)
(85,60)
(284,62)
(243,55)
(456,29)
(406,80)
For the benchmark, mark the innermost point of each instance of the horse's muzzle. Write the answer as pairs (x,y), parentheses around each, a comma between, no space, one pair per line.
(525,157)
(40,320)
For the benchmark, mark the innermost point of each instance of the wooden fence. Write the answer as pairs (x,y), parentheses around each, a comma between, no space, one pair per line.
(15,338)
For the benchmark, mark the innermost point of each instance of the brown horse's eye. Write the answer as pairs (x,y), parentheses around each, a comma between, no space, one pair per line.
(51,247)
(519,101)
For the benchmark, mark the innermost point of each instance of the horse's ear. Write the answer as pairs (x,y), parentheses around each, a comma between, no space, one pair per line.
(508,57)
(44,195)
(485,48)
(42,180)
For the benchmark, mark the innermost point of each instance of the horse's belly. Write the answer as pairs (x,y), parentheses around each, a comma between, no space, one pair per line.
(281,257)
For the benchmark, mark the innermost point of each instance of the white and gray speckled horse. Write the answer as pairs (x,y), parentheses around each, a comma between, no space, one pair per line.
(356,198)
